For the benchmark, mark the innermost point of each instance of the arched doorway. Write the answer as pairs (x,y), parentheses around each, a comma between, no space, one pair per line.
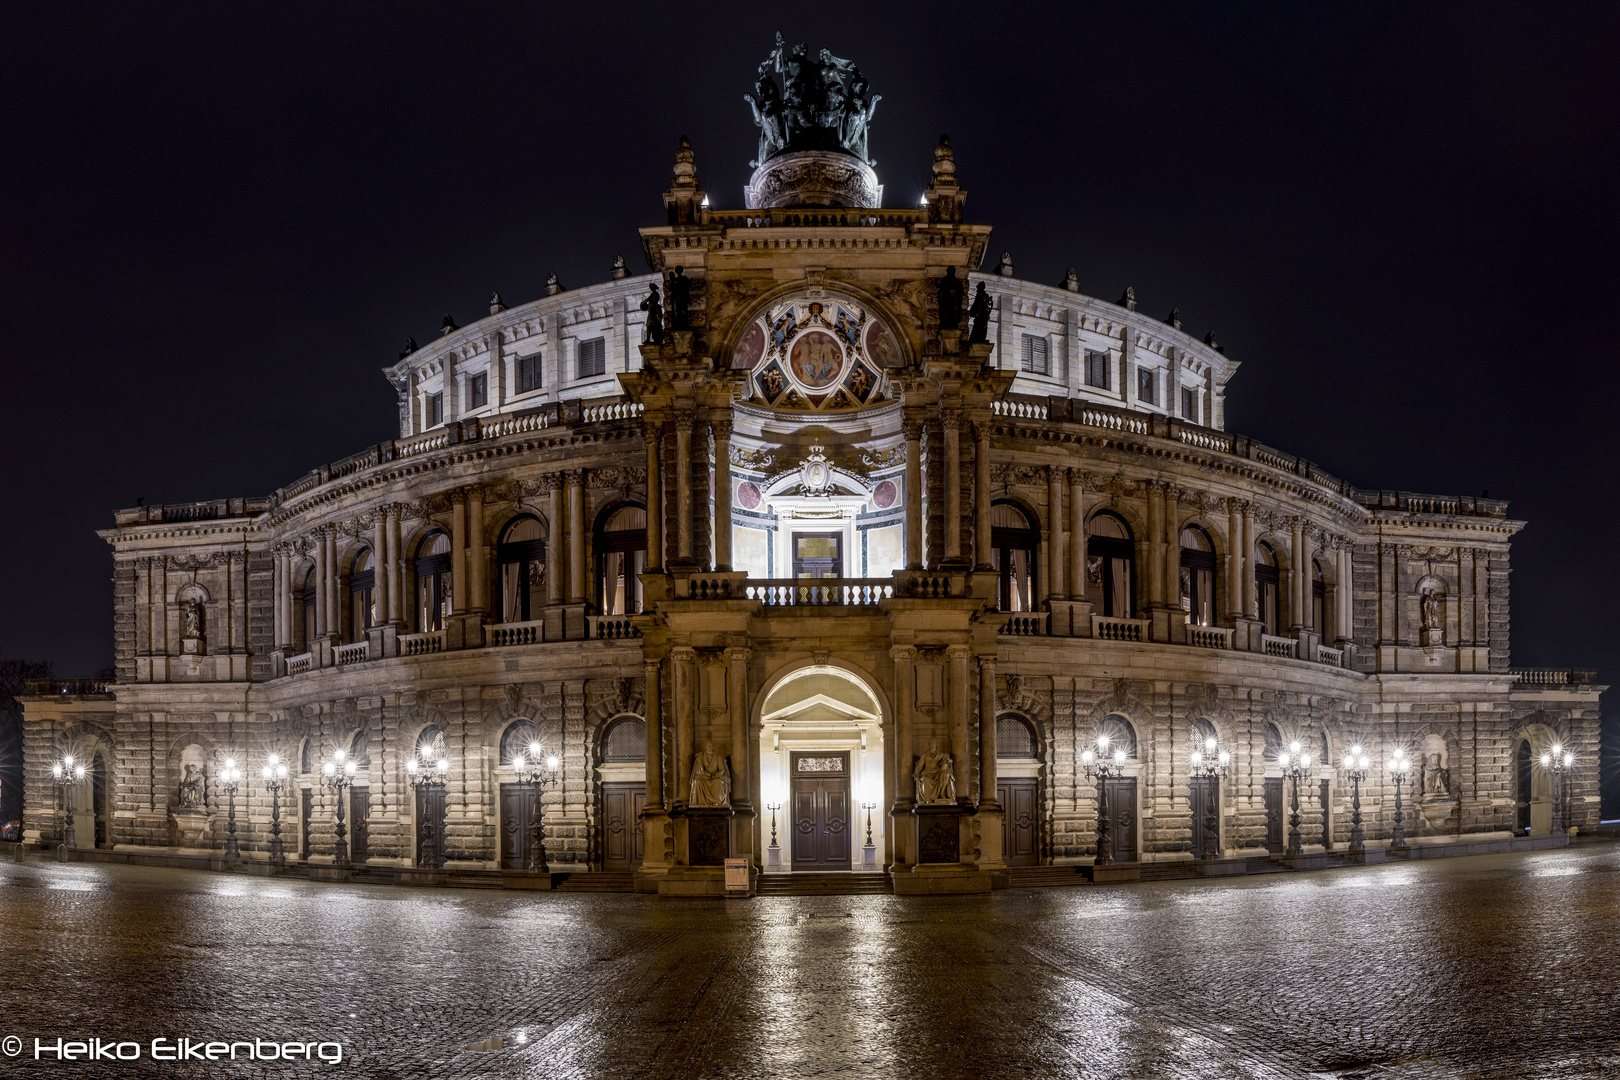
(1018,768)
(1532,784)
(622,770)
(822,770)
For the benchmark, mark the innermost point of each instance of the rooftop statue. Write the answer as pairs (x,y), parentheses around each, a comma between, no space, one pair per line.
(823,103)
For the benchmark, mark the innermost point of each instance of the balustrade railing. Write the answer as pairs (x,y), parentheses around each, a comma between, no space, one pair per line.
(1327,654)
(1553,676)
(1112,629)
(345,655)
(1026,624)
(297,665)
(820,592)
(516,633)
(619,410)
(421,644)
(1279,646)
(611,627)
(1112,421)
(1029,410)
(63,687)
(1210,637)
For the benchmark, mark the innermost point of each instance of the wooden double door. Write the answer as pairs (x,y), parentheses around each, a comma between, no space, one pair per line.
(622,837)
(359,824)
(821,820)
(520,811)
(430,815)
(1122,817)
(1018,818)
(1275,813)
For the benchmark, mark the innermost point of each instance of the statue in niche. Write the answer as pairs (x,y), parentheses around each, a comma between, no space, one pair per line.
(951,295)
(980,314)
(192,617)
(711,778)
(1431,611)
(191,788)
(1436,777)
(936,783)
(680,299)
(655,316)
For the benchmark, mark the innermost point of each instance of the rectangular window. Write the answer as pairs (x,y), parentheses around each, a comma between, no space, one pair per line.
(1037,355)
(1147,385)
(435,409)
(478,390)
(528,371)
(1189,404)
(1097,369)
(592,358)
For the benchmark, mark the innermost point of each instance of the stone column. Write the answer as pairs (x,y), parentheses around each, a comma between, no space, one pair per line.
(381,564)
(653,432)
(320,586)
(958,712)
(334,610)
(1250,598)
(284,636)
(1155,541)
(1172,549)
(655,739)
(1299,577)
(1234,559)
(160,604)
(911,427)
(458,551)
(683,658)
(576,536)
(737,700)
(556,536)
(1343,606)
(905,685)
(1077,535)
(396,568)
(1055,555)
(981,495)
(238,570)
(951,425)
(720,422)
(683,483)
(987,735)
(477,553)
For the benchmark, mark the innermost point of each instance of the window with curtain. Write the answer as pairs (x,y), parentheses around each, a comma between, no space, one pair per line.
(1013,543)
(1318,600)
(621,558)
(362,595)
(1266,579)
(306,597)
(1111,566)
(433,602)
(1197,576)
(521,556)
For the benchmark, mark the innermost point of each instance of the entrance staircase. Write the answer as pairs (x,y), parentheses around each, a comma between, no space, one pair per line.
(1028,877)
(599,881)
(831,883)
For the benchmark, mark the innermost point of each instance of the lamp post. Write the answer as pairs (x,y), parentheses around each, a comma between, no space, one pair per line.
(1099,765)
(66,773)
(1558,762)
(427,776)
(1398,765)
(230,777)
(1213,764)
(338,774)
(1294,765)
(275,778)
(869,850)
(1355,770)
(530,772)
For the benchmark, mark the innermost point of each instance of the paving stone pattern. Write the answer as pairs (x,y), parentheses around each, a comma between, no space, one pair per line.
(1493,966)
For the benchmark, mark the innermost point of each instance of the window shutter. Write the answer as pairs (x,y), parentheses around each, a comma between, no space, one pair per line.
(592,358)
(1036,355)
(1097,369)
(528,372)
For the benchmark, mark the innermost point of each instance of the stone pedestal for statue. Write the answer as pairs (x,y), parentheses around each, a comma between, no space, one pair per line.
(193,646)
(658,849)
(987,840)
(943,831)
(702,836)
(190,826)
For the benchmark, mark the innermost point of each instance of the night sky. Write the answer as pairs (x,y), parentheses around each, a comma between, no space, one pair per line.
(219,222)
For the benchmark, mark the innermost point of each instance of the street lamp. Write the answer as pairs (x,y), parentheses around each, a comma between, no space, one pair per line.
(275,778)
(230,776)
(1212,763)
(338,774)
(1355,768)
(1099,765)
(869,850)
(66,773)
(1558,762)
(426,776)
(1398,766)
(1295,765)
(530,772)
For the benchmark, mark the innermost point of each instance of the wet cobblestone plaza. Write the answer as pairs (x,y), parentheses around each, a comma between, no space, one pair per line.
(1492,966)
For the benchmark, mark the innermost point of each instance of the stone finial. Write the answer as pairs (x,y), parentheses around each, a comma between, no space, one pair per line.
(944,162)
(554,284)
(1209,339)
(619,269)
(1006,267)
(1071,280)
(410,347)
(448,327)
(684,196)
(1128,300)
(495,305)
(685,165)
(1174,318)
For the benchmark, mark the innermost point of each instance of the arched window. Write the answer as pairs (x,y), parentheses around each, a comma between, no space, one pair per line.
(1013,544)
(1265,587)
(625,740)
(1273,743)
(621,558)
(1318,601)
(521,555)
(430,744)
(306,598)
(362,595)
(1203,731)
(360,750)
(1111,566)
(303,756)
(1197,576)
(1121,734)
(518,738)
(432,582)
(1015,738)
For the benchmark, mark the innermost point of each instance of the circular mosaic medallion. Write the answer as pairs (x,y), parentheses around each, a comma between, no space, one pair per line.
(881,346)
(750,348)
(747,495)
(816,360)
(884,494)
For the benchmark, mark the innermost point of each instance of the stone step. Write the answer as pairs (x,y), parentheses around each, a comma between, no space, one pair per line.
(1025,877)
(599,881)
(824,884)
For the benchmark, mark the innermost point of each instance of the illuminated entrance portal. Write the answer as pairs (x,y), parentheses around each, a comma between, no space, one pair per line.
(821,763)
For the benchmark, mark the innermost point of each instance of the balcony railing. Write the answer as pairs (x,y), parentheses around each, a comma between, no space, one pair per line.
(421,644)
(1026,624)
(1327,654)
(793,592)
(345,655)
(611,627)
(1210,637)
(1111,629)
(1283,647)
(297,665)
(68,687)
(1553,676)
(515,633)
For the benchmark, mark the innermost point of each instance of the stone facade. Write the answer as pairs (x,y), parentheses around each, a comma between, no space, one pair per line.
(1029,516)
